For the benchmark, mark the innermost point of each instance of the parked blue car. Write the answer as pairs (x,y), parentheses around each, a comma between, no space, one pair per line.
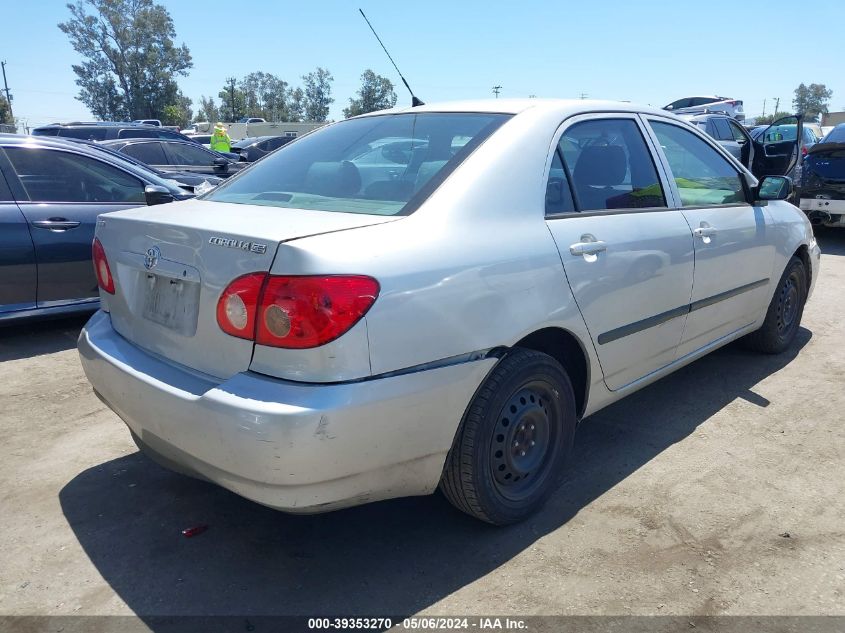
(51,192)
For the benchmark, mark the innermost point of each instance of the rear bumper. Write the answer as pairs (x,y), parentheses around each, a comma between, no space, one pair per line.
(824,211)
(292,446)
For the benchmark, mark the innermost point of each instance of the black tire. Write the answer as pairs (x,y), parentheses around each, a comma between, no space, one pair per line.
(784,314)
(527,398)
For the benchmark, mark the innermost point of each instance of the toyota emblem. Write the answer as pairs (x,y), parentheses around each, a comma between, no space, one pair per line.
(151,257)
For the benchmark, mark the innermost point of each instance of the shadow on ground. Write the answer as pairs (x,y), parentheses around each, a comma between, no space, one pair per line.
(34,338)
(831,240)
(394,557)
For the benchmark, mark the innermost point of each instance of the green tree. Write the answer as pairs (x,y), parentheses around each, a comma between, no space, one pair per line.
(265,95)
(179,113)
(5,112)
(129,57)
(768,119)
(812,100)
(318,94)
(207,110)
(376,93)
(295,104)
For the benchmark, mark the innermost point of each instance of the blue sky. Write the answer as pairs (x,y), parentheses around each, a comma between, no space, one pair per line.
(645,51)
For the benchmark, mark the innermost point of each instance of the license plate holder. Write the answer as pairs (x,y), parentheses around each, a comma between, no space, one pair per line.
(172,303)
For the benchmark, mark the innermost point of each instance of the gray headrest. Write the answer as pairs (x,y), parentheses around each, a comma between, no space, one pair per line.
(339,179)
(601,165)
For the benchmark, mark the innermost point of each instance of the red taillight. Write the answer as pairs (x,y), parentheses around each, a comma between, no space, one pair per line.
(101,267)
(238,305)
(294,312)
(309,311)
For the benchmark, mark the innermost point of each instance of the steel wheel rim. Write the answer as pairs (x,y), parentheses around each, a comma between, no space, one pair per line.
(789,303)
(523,441)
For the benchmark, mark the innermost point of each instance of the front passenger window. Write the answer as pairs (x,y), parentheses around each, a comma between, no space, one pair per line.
(702,175)
(58,176)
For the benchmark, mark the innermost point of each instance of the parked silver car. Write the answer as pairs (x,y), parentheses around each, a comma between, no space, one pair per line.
(318,333)
(709,104)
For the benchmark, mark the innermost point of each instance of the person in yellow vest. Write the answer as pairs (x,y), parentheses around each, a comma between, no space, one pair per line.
(220,141)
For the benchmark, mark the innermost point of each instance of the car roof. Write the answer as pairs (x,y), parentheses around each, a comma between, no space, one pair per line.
(85,148)
(565,107)
(95,124)
(145,139)
(705,116)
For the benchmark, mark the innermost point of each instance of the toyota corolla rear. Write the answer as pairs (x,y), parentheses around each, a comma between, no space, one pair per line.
(233,357)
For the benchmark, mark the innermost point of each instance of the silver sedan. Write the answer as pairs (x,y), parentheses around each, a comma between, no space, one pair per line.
(435,297)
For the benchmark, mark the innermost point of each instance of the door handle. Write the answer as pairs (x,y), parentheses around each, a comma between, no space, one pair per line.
(588,248)
(55,224)
(704,231)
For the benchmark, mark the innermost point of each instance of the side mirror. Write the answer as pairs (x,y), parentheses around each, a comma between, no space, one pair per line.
(155,194)
(220,164)
(774,188)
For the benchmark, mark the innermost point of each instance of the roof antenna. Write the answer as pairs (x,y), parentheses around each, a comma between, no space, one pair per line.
(414,100)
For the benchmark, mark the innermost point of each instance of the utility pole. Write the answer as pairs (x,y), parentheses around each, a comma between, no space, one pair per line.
(8,94)
(584,95)
(231,85)
(764,109)
(777,105)
(496,90)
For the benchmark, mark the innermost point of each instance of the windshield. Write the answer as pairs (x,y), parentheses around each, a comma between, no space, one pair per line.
(383,165)
(836,135)
(776,133)
(154,176)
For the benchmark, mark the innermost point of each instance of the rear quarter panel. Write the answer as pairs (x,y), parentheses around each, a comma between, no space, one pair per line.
(474,268)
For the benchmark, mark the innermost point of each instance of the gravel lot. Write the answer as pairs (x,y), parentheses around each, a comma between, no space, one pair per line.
(719,490)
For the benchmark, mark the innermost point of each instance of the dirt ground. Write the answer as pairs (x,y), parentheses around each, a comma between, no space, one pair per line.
(719,490)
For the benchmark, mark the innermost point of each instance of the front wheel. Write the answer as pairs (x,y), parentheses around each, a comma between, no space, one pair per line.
(515,439)
(784,313)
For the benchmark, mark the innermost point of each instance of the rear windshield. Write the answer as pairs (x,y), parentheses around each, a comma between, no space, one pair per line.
(384,165)
(87,133)
(836,135)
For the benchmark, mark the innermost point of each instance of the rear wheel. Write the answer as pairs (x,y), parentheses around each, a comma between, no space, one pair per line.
(784,314)
(510,452)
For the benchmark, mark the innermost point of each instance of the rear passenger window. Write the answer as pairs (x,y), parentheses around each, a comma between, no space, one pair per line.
(149,153)
(5,194)
(723,130)
(737,132)
(611,166)
(558,194)
(132,133)
(87,133)
(702,175)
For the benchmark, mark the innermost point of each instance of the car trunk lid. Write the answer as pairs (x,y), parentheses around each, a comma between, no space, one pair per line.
(172,262)
(824,171)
